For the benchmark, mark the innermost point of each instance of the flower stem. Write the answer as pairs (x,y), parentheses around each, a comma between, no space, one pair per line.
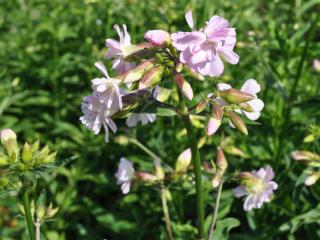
(145,149)
(27,212)
(197,172)
(215,212)
(38,225)
(166,213)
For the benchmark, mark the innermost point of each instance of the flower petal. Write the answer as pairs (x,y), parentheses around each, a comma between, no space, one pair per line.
(189,19)
(251,86)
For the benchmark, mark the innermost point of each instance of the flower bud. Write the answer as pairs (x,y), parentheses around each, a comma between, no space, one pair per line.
(146,177)
(137,73)
(232,95)
(9,141)
(158,170)
(151,77)
(41,212)
(122,140)
(305,156)
(183,161)
(216,179)
(26,153)
(179,67)
(216,119)
(201,106)
(158,38)
(311,179)
(238,122)
(184,86)
(221,161)
(246,107)
(316,65)
(51,212)
(35,146)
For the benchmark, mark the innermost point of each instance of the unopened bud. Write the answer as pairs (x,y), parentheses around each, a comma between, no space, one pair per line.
(146,177)
(26,153)
(179,67)
(35,146)
(221,161)
(41,212)
(201,106)
(183,161)
(50,158)
(9,141)
(184,86)
(232,95)
(122,140)
(158,38)
(151,77)
(246,107)
(311,179)
(3,160)
(216,180)
(51,212)
(137,73)
(158,170)
(238,122)
(216,119)
(305,156)
(316,65)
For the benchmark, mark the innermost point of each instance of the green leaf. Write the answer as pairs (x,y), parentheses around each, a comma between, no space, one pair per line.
(223,227)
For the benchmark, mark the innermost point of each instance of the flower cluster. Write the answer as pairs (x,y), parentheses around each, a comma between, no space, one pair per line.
(144,70)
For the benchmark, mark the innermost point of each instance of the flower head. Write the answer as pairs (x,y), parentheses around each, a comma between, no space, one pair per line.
(202,49)
(97,114)
(125,174)
(144,118)
(257,187)
(158,37)
(118,50)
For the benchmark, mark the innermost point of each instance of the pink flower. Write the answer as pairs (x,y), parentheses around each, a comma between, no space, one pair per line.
(158,38)
(125,174)
(202,49)
(118,50)
(257,187)
(107,90)
(144,118)
(97,114)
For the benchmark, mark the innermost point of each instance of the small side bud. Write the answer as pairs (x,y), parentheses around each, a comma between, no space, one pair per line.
(179,67)
(158,170)
(312,179)
(146,177)
(27,153)
(246,107)
(184,86)
(201,106)
(137,73)
(221,161)
(35,146)
(305,156)
(238,122)
(216,180)
(41,213)
(183,161)
(216,119)
(232,95)
(151,77)
(9,141)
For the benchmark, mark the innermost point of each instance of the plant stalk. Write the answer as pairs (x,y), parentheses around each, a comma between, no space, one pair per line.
(38,235)
(166,213)
(27,212)
(215,212)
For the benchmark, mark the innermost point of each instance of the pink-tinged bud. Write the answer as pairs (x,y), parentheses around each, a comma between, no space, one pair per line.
(311,179)
(138,96)
(137,73)
(143,50)
(201,106)
(238,122)
(9,141)
(217,111)
(221,161)
(196,75)
(183,161)
(236,96)
(158,38)
(184,86)
(216,180)
(213,126)
(146,177)
(151,77)
(305,156)
(316,65)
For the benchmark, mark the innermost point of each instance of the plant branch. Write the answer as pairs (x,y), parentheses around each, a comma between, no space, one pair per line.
(144,148)
(27,212)
(166,213)
(215,212)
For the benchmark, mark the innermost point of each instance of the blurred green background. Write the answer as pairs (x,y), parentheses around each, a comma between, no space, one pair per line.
(47,55)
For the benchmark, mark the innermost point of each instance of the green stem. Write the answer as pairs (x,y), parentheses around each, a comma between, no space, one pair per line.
(215,213)
(193,143)
(166,213)
(27,212)
(145,149)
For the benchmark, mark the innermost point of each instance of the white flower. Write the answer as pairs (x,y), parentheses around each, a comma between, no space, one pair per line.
(107,89)
(252,87)
(124,175)
(257,187)
(144,118)
(95,114)
(119,49)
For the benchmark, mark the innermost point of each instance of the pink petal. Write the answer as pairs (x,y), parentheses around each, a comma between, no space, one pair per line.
(216,68)
(240,191)
(213,126)
(252,115)
(256,104)
(182,40)
(189,19)
(229,55)
(223,86)
(251,86)
(102,68)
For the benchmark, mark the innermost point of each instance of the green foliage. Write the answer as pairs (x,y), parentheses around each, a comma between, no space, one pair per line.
(47,51)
